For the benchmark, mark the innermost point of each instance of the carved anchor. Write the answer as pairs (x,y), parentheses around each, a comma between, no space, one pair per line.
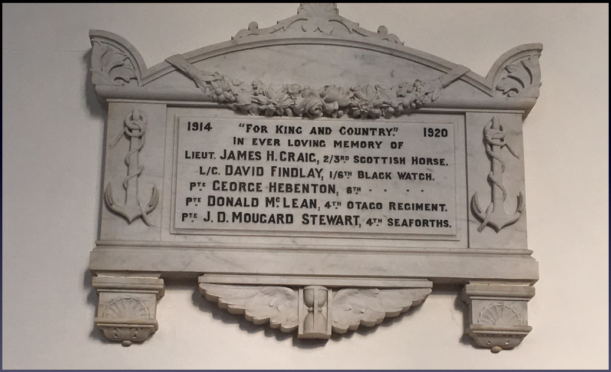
(135,127)
(495,216)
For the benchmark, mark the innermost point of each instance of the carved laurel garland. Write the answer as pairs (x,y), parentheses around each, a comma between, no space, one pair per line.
(369,101)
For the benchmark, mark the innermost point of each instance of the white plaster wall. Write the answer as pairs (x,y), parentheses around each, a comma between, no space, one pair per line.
(52,150)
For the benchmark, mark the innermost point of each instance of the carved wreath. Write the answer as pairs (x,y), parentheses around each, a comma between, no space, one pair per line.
(369,101)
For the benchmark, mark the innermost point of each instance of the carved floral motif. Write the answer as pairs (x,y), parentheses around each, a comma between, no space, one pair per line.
(368,101)
(110,65)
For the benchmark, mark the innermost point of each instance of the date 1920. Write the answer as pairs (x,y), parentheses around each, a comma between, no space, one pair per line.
(435,132)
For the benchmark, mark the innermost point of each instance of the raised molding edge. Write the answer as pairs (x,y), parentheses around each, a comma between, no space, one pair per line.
(439,267)
(498,313)
(313,310)
(305,280)
(125,244)
(127,306)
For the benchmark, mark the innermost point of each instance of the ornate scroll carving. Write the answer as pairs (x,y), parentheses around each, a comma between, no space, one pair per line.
(135,128)
(369,101)
(318,18)
(110,65)
(495,216)
(521,78)
(341,311)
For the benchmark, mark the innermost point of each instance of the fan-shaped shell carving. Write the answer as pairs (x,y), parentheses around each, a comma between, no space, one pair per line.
(126,307)
(500,315)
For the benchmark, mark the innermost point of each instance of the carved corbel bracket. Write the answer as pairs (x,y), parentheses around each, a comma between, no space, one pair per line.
(127,307)
(498,314)
(314,311)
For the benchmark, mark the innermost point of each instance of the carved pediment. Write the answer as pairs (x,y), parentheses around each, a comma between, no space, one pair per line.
(119,70)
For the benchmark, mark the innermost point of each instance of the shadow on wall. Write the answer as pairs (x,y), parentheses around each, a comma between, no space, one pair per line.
(95,107)
(459,305)
(98,110)
(92,299)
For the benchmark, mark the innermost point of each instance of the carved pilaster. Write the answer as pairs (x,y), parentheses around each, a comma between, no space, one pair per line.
(498,314)
(127,307)
(315,311)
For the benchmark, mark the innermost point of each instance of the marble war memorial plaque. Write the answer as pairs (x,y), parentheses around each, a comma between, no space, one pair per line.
(314,197)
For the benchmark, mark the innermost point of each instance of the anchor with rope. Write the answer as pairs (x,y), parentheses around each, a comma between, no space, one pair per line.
(134,129)
(495,215)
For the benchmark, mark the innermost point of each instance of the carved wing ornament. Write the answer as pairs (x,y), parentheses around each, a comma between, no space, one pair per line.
(350,307)
(368,307)
(278,305)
